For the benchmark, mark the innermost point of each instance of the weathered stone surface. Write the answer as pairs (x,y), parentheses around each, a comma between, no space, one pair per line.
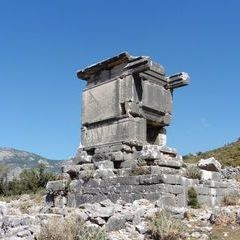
(54,186)
(87,166)
(86,174)
(151,152)
(210,164)
(157,170)
(209,175)
(60,201)
(117,156)
(128,129)
(106,164)
(142,227)
(115,223)
(81,157)
(175,163)
(100,103)
(129,163)
(150,179)
(103,173)
(96,210)
(131,180)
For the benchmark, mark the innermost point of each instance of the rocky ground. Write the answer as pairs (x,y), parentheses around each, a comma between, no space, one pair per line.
(31,217)
(23,218)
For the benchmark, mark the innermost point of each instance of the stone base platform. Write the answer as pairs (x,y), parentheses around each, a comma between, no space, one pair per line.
(170,190)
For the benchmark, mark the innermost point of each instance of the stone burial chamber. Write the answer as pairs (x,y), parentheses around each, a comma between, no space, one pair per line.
(126,107)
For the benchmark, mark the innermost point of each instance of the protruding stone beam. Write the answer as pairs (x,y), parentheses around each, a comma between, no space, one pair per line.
(178,80)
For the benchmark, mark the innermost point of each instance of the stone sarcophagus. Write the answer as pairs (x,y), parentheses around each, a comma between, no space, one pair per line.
(127,104)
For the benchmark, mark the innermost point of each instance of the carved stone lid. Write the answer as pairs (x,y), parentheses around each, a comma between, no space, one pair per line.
(124,64)
(103,65)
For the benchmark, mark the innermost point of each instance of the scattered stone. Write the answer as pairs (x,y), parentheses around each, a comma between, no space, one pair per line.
(115,223)
(142,227)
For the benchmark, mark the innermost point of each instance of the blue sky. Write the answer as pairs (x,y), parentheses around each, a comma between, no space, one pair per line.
(43,44)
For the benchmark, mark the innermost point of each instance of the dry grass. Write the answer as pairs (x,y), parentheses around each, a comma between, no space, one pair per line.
(193,172)
(231,199)
(225,233)
(164,227)
(69,229)
(224,219)
(59,230)
(140,170)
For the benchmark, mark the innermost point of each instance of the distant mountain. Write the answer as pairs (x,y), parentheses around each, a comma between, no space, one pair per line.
(17,160)
(228,155)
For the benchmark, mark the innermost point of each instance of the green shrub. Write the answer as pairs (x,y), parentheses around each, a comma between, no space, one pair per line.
(192,198)
(164,227)
(193,172)
(29,181)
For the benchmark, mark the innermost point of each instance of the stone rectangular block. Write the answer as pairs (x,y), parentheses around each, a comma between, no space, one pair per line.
(209,200)
(131,180)
(174,189)
(100,103)
(156,97)
(127,130)
(172,179)
(216,184)
(55,186)
(150,179)
(88,198)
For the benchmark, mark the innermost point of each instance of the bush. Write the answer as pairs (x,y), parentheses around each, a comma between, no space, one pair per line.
(140,170)
(225,218)
(192,198)
(231,199)
(164,227)
(91,233)
(193,172)
(29,181)
(70,229)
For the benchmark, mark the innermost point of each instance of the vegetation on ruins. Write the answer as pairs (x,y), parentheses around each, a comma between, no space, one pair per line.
(193,172)
(228,155)
(164,227)
(192,198)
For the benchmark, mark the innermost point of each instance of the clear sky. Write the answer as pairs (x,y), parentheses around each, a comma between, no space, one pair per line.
(43,44)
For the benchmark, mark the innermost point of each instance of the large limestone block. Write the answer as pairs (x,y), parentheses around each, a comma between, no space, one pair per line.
(55,186)
(210,164)
(100,103)
(128,130)
(156,97)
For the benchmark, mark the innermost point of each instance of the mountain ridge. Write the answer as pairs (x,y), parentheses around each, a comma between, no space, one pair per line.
(15,158)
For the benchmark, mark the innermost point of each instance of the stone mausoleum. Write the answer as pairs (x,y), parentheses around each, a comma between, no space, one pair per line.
(126,107)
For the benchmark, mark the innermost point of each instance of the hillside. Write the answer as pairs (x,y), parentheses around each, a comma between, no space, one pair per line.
(228,155)
(17,160)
